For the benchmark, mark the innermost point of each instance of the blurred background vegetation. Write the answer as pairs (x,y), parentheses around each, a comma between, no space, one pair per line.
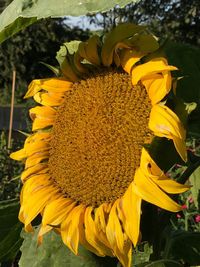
(177,20)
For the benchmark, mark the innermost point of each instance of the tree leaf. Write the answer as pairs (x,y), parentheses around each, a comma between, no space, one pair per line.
(187,59)
(52,252)
(21,13)
(195,189)
(184,246)
(10,229)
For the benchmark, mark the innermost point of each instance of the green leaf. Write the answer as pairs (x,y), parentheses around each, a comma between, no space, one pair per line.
(187,59)
(21,13)
(141,255)
(163,263)
(184,246)
(10,229)
(65,49)
(195,189)
(52,252)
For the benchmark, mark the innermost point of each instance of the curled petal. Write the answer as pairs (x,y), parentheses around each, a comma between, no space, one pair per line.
(89,50)
(131,208)
(49,99)
(70,228)
(54,85)
(158,177)
(93,236)
(117,35)
(157,85)
(38,199)
(128,59)
(42,116)
(118,240)
(153,66)
(144,187)
(165,123)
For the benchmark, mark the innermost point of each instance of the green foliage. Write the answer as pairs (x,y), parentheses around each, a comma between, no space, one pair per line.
(187,59)
(19,14)
(52,252)
(178,20)
(184,246)
(161,263)
(25,51)
(10,240)
(142,254)
(9,187)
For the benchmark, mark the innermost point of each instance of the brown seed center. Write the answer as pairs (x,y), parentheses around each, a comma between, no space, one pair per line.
(97,138)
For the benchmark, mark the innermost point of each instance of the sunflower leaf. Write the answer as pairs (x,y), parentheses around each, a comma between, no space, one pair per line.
(20,13)
(52,252)
(10,229)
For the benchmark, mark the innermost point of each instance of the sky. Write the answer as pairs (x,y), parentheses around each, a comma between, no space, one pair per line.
(82,22)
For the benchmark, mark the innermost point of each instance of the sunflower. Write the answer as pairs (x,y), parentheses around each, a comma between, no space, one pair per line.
(87,164)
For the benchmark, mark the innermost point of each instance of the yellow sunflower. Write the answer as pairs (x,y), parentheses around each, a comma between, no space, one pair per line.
(86,168)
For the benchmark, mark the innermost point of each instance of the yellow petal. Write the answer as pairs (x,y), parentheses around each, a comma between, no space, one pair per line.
(40,111)
(33,144)
(117,35)
(56,211)
(41,167)
(153,66)
(33,184)
(114,230)
(49,99)
(145,188)
(43,231)
(158,176)
(125,256)
(100,219)
(36,158)
(18,155)
(131,208)
(36,147)
(42,117)
(53,217)
(128,59)
(54,85)
(41,123)
(157,86)
(92,234)
(165,123)
(70,228)
(83,239)
(38,137)
(36,203)
(118,239)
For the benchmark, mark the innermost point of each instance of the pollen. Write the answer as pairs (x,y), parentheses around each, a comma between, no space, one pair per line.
(97,138)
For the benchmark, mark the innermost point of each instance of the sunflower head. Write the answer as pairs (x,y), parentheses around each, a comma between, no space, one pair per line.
(88,162)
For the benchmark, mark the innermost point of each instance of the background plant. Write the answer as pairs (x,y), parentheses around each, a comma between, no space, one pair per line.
(177,20)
